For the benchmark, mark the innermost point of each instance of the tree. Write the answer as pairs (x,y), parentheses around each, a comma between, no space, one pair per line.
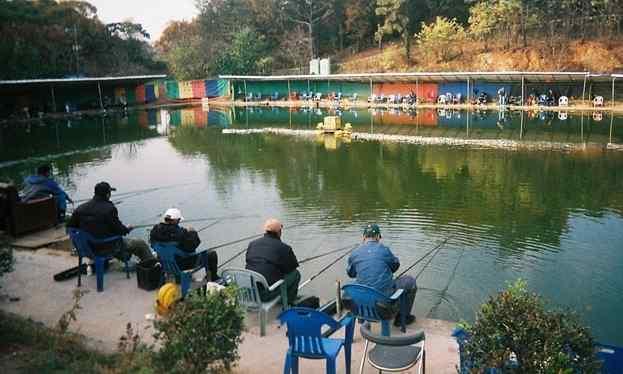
(247,55)
(308,13)
(395,21)
(441,40)
(181,46)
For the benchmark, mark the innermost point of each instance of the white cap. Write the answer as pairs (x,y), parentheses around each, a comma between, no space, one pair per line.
(173,213)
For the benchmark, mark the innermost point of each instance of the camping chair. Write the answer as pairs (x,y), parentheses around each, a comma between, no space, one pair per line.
(82,242)
(338,97)
(563,101)
(167,251)
(391,99)
(394,353)
(307,340)
(275,96)
(249,294)
(441,99)
(318,96)
(458,98)
(258,97)
(355,98)
(370,305)
(598,101)
(249,97)
(371,98)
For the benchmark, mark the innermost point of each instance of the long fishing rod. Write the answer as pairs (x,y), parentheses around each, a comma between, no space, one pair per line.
(305,283)
(436,248)
(145,190)
(324,254)
(445,289)
(253,237)
(198,220)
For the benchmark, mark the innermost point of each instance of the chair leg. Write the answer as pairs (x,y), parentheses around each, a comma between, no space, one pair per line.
(286,366)
(294,363)
(331,366)
(127,270)
(385,329)
(80,271)
(347,358)
(99,273)
(365,355)
(262,322)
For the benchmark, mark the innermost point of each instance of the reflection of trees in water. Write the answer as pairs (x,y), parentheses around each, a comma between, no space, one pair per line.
(516,196)
(65,145)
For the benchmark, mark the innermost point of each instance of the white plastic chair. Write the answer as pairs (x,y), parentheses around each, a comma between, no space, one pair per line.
(598,101)
(249,294)
(563,101)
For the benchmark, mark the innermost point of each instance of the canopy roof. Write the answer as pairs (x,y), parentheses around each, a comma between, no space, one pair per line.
(140,78)
(499,76)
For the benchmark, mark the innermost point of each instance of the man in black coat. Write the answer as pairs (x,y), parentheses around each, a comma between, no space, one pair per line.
(100,218)
(275,260)
(187,240)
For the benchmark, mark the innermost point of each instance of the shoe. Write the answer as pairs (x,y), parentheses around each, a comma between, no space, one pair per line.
(408,320)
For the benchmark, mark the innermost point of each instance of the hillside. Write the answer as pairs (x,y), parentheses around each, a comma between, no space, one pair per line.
(600,56)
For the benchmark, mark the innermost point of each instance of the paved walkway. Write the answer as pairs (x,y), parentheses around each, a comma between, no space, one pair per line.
(103,316)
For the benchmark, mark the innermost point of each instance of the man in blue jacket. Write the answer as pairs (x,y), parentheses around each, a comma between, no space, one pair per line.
(373,264)
(41,185)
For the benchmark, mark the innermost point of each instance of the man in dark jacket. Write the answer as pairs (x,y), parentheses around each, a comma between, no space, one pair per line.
(99,217)
(169,230)
(275,260)
(41,185)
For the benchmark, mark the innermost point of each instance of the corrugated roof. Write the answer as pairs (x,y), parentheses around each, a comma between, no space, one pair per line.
(500,76)
(82,80)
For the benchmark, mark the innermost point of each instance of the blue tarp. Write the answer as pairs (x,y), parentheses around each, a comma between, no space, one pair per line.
(216,87)
(453,88)
(152,117)
(150,93)
(612,358)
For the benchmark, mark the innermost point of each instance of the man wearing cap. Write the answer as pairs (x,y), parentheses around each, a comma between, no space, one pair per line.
(186,240)
(373,264)
(41,185)
(275,260)
(100,218)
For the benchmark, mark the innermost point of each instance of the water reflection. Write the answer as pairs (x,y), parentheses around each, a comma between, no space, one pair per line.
(553,218)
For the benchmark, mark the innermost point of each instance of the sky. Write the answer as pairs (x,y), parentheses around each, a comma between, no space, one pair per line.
(152,14)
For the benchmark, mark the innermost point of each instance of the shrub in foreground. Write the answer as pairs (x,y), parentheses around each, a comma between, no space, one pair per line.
(201,334)
(514,332)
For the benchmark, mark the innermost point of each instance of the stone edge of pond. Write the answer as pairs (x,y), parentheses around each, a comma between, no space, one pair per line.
(423,140)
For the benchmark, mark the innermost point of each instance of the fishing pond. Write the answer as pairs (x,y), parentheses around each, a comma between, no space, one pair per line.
(552,216)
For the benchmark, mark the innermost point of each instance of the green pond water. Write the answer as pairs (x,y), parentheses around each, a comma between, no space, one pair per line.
(552,218)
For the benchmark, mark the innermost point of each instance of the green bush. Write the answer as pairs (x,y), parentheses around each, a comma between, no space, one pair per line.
(513,331)
(201,334)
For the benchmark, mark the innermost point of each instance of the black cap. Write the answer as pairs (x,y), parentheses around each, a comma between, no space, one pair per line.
(103,188)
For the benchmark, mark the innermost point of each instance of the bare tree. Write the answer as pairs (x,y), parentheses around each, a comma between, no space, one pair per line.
(308,13)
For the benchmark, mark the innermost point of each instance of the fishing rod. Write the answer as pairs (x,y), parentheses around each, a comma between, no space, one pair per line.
(445,289)
(253,237)
(305,283)
(324,254)
(145,190)
(436,248)
(197,220)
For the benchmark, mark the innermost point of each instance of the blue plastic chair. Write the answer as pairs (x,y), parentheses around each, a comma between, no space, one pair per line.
(167,251)
(82,242)
(307,340)
(366,301)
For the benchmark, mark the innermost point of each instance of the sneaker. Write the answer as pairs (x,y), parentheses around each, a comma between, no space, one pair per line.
(408,320)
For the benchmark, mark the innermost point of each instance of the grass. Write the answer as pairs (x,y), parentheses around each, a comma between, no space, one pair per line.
(27,346)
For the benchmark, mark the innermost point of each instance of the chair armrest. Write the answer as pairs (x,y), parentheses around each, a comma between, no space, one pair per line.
(343,322)
(107,240)
(396,295)
(275,285)
(394,341)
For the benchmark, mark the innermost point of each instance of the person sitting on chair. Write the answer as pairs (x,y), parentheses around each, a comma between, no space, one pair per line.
(373,265)
(100,218)
(275,260)
(41,185)
(187,240)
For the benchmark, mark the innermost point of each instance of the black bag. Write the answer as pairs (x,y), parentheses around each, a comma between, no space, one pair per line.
(149,275)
